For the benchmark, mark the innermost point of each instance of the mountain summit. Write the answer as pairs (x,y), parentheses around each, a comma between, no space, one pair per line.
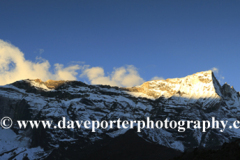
(198,85)
(201,87)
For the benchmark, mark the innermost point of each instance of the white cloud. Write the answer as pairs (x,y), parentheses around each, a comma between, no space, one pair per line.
(157,78)
(123,76)
(14,66)
(68,73)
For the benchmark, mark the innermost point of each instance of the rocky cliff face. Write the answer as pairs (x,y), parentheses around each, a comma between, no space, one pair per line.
(195,97)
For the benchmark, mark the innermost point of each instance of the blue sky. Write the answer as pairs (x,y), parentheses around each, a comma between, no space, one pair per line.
(159,38)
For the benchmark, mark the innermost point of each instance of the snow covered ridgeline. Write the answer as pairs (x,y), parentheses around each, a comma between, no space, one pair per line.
(198,85)
(201,86)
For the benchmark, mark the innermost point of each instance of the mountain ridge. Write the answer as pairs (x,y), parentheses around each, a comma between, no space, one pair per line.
(196,78)
(75,100)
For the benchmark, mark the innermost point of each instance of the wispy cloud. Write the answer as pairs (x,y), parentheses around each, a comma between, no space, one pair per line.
(157,78)
(220,77)
(215,70)
(41,51)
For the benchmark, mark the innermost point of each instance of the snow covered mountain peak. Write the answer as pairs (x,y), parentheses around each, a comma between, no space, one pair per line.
(199,85)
